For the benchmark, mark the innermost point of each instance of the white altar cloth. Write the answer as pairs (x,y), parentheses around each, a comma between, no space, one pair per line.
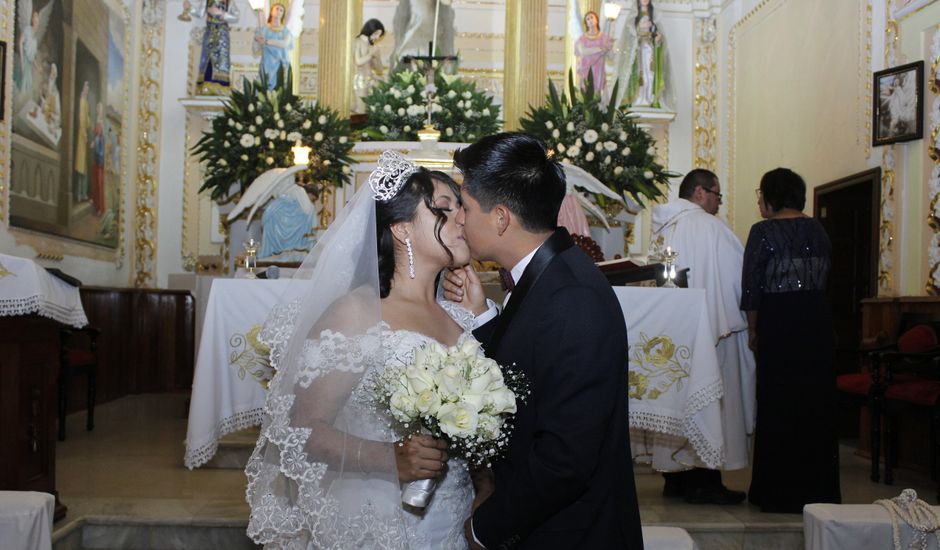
(26,520)
(675,382)
(854,527)
(228,392)
(25,288)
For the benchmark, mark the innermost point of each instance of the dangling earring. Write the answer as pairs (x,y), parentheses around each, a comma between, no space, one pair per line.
(411,258)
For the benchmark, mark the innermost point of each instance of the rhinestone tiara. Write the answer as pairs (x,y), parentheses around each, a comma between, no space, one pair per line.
(390,175)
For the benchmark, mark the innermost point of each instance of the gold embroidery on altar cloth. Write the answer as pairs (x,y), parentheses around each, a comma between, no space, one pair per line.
(4,272)
(250,356)
(657,365)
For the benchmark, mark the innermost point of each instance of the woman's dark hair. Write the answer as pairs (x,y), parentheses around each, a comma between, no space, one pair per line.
(370,27)
(403,207)
(783,188)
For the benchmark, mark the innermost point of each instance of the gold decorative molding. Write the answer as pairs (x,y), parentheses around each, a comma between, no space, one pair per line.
(6,127)
(151,76)
(886,253)
(524,59)
(50,256)
(864,99)
(932,285)
(705,103)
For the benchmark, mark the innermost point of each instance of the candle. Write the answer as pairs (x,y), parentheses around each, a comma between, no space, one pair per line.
(301,154)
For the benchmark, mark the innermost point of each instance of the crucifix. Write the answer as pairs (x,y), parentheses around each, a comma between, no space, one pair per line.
(430,65)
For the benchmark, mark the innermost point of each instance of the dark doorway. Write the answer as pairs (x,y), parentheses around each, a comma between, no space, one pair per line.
(849,210)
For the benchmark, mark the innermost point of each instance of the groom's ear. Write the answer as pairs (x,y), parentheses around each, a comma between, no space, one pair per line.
(501,216)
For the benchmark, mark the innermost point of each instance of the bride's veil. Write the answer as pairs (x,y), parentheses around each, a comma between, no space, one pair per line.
(319,476)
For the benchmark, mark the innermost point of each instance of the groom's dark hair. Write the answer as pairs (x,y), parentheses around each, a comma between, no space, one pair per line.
(517,171)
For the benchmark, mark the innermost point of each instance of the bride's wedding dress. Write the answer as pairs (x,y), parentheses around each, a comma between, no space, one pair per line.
(355,509)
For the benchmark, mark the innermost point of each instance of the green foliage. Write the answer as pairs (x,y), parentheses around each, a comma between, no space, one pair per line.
(606,143)
(396,109)
(256,131)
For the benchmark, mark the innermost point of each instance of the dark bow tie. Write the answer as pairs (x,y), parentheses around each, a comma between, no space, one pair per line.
(505,280)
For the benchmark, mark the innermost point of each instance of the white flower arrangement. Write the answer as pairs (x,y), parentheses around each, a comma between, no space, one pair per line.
(456,393)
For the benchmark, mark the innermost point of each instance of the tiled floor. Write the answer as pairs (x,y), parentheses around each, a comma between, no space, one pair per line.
(130,470)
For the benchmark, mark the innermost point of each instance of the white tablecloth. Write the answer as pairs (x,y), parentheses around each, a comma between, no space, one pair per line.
(853,527)
(26,520)
(675,383)
(25,288)
(228,394)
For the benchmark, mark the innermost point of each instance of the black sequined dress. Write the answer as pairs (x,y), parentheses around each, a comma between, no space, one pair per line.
(796,453)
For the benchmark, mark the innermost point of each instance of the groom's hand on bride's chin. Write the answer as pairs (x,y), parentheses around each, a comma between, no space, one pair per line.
(462,285)
(453,284)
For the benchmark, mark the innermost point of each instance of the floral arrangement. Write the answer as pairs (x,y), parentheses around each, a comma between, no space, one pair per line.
(603,140)
(397,109)
(256,131)
(456,393)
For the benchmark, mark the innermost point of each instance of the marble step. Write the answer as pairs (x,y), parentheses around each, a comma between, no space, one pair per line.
(234,450)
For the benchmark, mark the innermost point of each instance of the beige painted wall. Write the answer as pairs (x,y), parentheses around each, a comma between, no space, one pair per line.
(795,99)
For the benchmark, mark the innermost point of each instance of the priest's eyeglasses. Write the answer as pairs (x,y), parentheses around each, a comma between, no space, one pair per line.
(713,192)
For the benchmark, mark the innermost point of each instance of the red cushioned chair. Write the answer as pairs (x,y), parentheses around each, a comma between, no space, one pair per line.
(79,355)
(908,378)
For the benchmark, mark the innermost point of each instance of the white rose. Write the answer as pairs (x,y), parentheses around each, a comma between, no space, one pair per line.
(605,127)
(578,142)
(486,112)
(468,114)
(223,162)
(402,406)
(251,128)
(456,420)
(270,145)
(396,94)
(410,89)
(570,127)
(549,125)
(387,108)
(606,160)
(452,94)
(460,104)
(327,162)
(599,146)
(258,120)
(244,157)
(294,136)
(345,169)
(408,101)
(257,141)
(651,151)
(226,143)
(231,122)
(467,95)
(383,128)
(561,148)
(270,133)
(322,119)
(280,124)
(610,146)
(238,126)
(428,402)
(247,140)
(318,136)
(277,116)
(648,175)
(574,151)
(626,151)
(283,135)
(306,125)
(450,383)
(343,139)
(401,111)
(504,401)
(590,136)
(449,132)
(623,136)
(435,108)
(251,108)
(269,160)
(589,156)
(555,133)
(287,107)
(618,170)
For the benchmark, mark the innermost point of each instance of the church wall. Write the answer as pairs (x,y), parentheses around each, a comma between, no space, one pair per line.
(92,264)
(794,96)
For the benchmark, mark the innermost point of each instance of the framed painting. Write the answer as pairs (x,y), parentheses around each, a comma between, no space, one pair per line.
(68,115)
(898,113)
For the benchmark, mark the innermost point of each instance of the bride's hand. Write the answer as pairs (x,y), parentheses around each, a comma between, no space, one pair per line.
(462,285)
(420,457)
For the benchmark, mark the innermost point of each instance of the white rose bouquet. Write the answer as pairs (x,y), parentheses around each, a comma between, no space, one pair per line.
(456,393)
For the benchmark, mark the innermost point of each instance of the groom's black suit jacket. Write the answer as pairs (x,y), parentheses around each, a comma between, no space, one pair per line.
(567,479)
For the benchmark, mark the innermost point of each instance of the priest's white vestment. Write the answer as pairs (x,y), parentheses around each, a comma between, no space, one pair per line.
(714,255)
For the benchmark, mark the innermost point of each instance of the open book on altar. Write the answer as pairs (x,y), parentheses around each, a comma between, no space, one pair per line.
(623,272)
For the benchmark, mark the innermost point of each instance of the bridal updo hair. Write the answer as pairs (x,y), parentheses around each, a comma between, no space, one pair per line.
(403,207)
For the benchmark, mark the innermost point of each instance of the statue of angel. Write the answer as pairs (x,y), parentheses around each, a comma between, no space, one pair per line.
(215,59)
(288,220)
(571,215)
(32,26)
(643,67)
(414,28)
(275,36)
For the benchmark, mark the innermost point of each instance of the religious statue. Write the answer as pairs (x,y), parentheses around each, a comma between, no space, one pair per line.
(643,66)
(591,50)
(416,27)
(275,37)
(368,64)
(32,26)
(214,60)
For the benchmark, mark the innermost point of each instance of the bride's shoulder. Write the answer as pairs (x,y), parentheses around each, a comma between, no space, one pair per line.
(357,312)
(461,315)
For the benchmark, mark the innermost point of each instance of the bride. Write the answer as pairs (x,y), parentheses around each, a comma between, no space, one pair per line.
(326,472)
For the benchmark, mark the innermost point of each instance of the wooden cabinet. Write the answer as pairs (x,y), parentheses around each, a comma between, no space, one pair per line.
(29,365)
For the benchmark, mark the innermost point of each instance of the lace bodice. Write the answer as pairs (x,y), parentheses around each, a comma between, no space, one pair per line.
(439,525)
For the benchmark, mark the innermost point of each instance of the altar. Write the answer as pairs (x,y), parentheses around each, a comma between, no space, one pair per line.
(675,384)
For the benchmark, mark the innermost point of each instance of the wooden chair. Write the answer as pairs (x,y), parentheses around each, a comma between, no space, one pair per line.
(78,355)
(907,378)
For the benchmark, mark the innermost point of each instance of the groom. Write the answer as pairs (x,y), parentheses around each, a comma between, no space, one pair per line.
(566,481)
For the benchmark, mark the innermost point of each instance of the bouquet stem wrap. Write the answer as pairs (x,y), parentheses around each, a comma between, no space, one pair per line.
(418,493)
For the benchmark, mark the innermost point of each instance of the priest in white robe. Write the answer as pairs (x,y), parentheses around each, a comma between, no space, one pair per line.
(714,255)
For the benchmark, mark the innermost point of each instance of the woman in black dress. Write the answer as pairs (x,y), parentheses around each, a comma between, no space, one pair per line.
(786,264)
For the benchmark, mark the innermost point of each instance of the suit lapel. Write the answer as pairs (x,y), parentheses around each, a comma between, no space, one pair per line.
(553,246)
